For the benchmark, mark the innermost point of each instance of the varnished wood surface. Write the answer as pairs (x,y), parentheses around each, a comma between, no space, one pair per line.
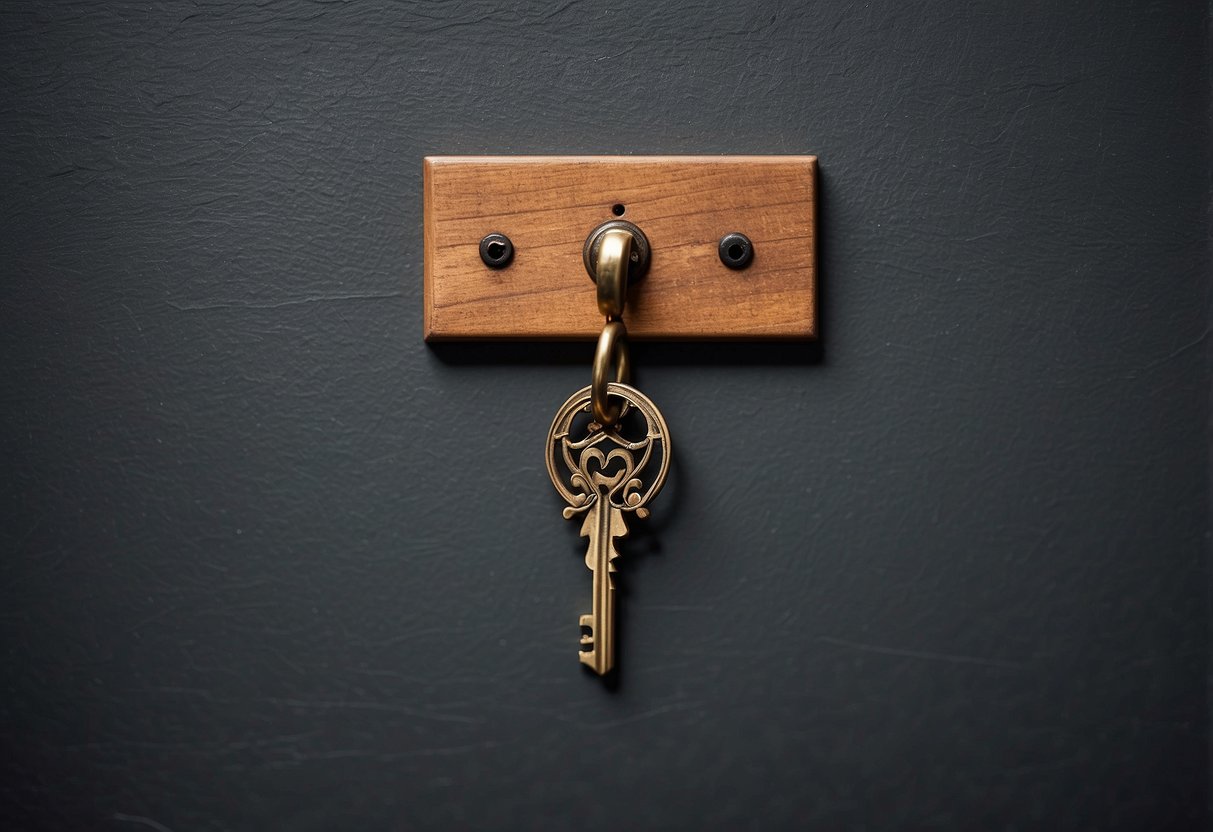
(548,205)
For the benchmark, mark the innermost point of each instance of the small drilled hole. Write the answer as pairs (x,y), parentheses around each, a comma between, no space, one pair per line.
(617,209)
(735,251)
(496,250)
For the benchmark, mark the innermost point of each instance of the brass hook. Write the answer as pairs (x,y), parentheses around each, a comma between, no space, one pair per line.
(611,272)
(638,255)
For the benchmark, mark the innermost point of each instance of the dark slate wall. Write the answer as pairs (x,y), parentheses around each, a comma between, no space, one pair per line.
(270,562)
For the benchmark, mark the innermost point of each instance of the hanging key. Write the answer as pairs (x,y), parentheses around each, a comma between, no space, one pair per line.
(614,466)
(606,472)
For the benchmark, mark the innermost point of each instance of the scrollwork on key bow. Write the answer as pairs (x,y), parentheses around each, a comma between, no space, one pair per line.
(604,463)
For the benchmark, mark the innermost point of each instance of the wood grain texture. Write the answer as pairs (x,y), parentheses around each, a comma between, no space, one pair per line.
(548,205)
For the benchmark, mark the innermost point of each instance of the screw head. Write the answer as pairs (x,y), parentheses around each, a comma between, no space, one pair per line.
(736,251)
(496,251)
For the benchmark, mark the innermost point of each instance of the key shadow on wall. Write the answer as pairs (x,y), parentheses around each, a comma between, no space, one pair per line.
(644,540)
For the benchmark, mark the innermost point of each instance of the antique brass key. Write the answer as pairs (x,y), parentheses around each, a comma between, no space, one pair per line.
(613,465)
(606,475)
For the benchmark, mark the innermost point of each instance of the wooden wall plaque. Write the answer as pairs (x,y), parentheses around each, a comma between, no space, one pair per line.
(548,205)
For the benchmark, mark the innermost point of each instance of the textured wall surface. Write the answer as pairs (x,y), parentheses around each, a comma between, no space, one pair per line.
(270,562)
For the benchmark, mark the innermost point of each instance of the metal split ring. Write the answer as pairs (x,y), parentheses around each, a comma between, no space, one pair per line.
(612,348)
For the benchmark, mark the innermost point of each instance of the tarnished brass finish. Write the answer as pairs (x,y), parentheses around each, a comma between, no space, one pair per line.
(638,258)
(611,272)
(612,347)
(602,476)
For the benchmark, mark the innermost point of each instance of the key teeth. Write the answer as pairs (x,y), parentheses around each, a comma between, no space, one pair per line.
(587,622)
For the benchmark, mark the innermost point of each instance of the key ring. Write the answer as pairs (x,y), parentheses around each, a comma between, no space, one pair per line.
(612,346)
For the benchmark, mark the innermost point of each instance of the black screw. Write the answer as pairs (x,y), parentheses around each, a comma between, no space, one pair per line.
(496,251)
(736,250)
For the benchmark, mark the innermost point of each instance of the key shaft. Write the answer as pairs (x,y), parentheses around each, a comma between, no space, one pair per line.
(604,524)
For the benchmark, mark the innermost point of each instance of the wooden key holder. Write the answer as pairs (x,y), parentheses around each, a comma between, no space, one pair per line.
(731,246)
(562,247)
